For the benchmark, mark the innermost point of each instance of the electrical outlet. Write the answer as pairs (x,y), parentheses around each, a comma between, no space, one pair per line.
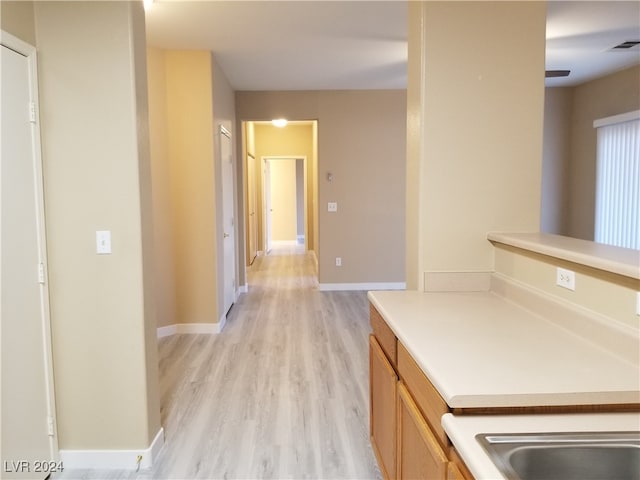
(332,206)
(338,261)
(565,278)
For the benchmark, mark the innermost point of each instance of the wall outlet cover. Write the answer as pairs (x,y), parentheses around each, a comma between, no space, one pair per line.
(566,278)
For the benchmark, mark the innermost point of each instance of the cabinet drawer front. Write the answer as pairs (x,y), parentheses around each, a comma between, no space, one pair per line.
(385,336)
(420,455)
(424,393)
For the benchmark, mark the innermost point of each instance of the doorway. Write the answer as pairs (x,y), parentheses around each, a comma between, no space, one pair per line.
(262,140)
(284,200)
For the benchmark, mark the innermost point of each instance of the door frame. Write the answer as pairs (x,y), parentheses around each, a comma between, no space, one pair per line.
(29,52)
(267,158)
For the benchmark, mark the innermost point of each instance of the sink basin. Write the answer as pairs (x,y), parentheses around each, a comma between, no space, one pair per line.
(565,456)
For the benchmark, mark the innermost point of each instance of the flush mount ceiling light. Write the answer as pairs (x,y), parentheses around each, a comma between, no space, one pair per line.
(279,122)
(147,4)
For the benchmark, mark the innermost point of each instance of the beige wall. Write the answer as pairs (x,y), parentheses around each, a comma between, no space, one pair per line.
(164,247)
(570,148)
(556,157)
(476,165)
(603,97)
(293,140)
(361,140)
(191,152)
(189,99)
(16,18)
(96,176)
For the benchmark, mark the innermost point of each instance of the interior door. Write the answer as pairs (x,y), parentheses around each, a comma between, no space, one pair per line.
(252,203)
(27,398)
(266,189)
(226,157)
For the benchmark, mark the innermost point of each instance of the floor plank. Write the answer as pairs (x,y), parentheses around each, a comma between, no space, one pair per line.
(281,393)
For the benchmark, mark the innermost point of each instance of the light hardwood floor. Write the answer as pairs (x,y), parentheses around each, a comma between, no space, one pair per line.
(281,393)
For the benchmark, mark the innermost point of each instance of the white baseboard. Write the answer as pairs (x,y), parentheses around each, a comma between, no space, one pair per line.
(192,328)
(167,331)
(113,459)
(328,287)
(242,289)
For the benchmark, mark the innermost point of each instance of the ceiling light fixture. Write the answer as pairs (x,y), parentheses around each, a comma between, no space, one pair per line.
(279,122)
(147,4)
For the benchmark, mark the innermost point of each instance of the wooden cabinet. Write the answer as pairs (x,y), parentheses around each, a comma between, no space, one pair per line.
(383,383)
(420,455)
(454,473)
(405,411)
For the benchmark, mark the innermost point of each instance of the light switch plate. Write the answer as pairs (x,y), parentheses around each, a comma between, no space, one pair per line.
(103,242)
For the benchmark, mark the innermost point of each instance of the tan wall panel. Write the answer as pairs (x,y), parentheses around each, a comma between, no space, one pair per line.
(164,248)
(191,152)
(95,163)
(556,159)
(482,129)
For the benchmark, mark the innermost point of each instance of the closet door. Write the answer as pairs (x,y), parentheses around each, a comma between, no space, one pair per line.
(27,419)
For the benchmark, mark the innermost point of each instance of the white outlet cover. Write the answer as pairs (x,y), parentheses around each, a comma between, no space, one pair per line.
(566,278)
(332,207)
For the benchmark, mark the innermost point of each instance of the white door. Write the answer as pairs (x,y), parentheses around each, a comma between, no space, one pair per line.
(266,189)
(228,225)
(252,204)
(27,385)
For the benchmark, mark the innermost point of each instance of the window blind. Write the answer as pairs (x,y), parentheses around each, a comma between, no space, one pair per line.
(617,216)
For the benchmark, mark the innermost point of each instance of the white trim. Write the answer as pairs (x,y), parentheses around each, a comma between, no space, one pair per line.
(621,118)
(224,131)
(17,45)
(114,459)
(243,289)
(328,287)
(222,322)
(192,328)
(167,331)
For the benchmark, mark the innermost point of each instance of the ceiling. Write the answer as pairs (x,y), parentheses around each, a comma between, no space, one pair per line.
(334,45)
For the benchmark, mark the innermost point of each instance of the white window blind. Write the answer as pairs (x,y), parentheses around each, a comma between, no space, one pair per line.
(617,219)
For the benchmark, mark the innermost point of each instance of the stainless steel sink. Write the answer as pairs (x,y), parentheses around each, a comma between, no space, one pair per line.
(565,456)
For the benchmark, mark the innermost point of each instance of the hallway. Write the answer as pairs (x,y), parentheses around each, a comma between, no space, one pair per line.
(281,393)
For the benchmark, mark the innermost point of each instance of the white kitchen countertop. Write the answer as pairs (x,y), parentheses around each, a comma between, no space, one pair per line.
(480,350)
(463,429)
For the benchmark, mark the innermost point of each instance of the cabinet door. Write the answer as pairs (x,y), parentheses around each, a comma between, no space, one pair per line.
(454,473)
(382,391)
(419,453)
